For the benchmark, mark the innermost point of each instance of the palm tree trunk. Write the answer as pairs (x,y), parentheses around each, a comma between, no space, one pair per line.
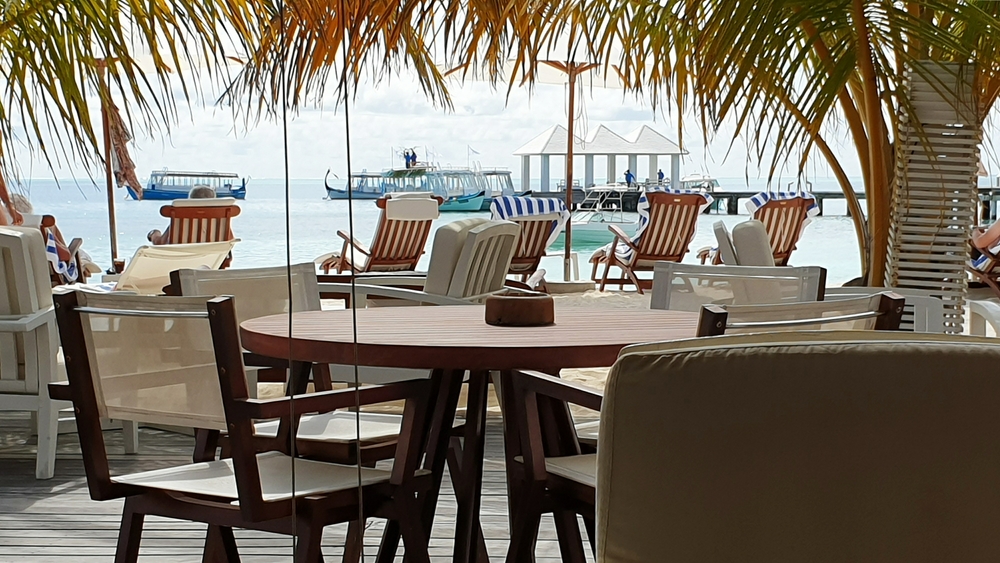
(878,185)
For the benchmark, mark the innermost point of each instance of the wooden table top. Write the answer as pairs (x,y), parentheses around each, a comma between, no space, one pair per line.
(458,337)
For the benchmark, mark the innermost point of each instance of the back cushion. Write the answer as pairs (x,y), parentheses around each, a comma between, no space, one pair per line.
(447,247)
(876,452)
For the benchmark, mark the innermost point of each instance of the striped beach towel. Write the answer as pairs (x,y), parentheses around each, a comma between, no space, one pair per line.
(623,252)
(68,270)
(758,201)
(510,208)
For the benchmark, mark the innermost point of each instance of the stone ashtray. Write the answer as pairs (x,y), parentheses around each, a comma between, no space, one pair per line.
(520,309)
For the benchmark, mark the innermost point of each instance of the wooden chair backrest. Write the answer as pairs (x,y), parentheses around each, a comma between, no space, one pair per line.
(854,443)
(399,243)
(209,221)
(531,246)
(673,219)
(783,219)
(24,289)
(882,311)
(485,259)
(257,292)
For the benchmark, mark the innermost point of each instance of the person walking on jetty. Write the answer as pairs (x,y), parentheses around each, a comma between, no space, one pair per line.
(659,175)
(629,178)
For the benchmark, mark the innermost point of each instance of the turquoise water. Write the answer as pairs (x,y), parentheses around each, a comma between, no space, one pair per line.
(81,211)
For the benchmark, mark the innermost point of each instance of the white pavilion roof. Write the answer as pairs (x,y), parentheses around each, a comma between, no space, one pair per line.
(601,141)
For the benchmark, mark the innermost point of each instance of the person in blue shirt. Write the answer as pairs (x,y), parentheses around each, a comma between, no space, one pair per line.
(659,175)
(629,178)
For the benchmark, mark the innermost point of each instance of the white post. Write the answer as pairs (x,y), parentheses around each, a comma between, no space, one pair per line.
(653,168)
(588,171)
(525,173)
(633,166)
(545,174)
(612,173)
(675,171)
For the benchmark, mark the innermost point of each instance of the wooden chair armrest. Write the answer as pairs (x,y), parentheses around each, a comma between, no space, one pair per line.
(348,239)
(324,401)
(621,236)
(59,391)
(552,386)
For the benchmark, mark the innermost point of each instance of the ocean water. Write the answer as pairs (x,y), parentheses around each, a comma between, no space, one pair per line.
(269,236)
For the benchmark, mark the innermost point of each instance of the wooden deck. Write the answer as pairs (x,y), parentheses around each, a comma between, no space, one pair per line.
(55,520)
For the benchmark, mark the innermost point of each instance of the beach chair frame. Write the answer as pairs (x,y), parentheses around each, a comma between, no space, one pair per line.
(784,220)
(397,245)
(885,308)
(209,222)
(673,220)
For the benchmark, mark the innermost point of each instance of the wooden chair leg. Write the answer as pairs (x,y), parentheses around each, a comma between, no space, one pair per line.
(607,268)
(635,280)
(568,533)
(354,547)
(308,546)
(130,430)
(47,421)
(390,543)
(414,537)
(524,529)
(220,546)
(322,378)
(591,535)
(130,534)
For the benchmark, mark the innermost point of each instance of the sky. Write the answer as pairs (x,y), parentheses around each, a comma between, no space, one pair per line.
(394,114)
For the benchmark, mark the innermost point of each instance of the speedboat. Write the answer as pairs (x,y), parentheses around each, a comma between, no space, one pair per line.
(602,206)
(166,184)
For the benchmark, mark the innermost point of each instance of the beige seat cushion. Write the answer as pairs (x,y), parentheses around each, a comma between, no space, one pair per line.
(339,427)
(753,246)
(579,468)
(217,479)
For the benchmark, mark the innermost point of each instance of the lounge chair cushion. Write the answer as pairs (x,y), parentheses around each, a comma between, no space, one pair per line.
(829,447)
(411,209)
(204,202)
(753,247)
(446,249)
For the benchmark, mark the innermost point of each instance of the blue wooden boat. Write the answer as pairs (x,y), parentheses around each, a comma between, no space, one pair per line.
(472,202)
(166,185)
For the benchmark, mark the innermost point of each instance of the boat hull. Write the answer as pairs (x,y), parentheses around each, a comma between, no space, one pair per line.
(166,195)
(593,235)
(464,203)
(342,194)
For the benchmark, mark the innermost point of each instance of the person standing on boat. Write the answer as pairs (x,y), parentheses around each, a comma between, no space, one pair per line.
(629,178)
(406,157)
(659,175)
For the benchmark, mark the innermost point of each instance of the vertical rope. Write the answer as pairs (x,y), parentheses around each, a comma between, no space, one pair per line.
(288,253)
(345,45)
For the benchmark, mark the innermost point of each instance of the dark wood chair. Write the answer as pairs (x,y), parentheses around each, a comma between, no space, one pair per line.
(174,360)
(882,311)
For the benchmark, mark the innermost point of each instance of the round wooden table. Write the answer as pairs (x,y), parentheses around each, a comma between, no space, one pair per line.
(449,341)
(459,338)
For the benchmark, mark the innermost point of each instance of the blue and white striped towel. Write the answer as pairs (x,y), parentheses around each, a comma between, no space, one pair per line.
(623,251)
(508,208)
(68,270)
(758,201)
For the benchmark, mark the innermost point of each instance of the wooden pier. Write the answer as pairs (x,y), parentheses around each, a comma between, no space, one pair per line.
(728,202)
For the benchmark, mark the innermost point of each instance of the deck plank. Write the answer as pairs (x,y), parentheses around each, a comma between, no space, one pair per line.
(55,521)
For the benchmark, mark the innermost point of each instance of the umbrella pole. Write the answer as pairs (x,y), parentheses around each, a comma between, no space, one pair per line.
(107,169)
(571,72)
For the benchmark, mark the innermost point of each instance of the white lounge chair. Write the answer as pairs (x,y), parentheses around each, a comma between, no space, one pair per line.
(28,338)
(881,311)
(923,311)
(686,287)
(149,270)
(469,261)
